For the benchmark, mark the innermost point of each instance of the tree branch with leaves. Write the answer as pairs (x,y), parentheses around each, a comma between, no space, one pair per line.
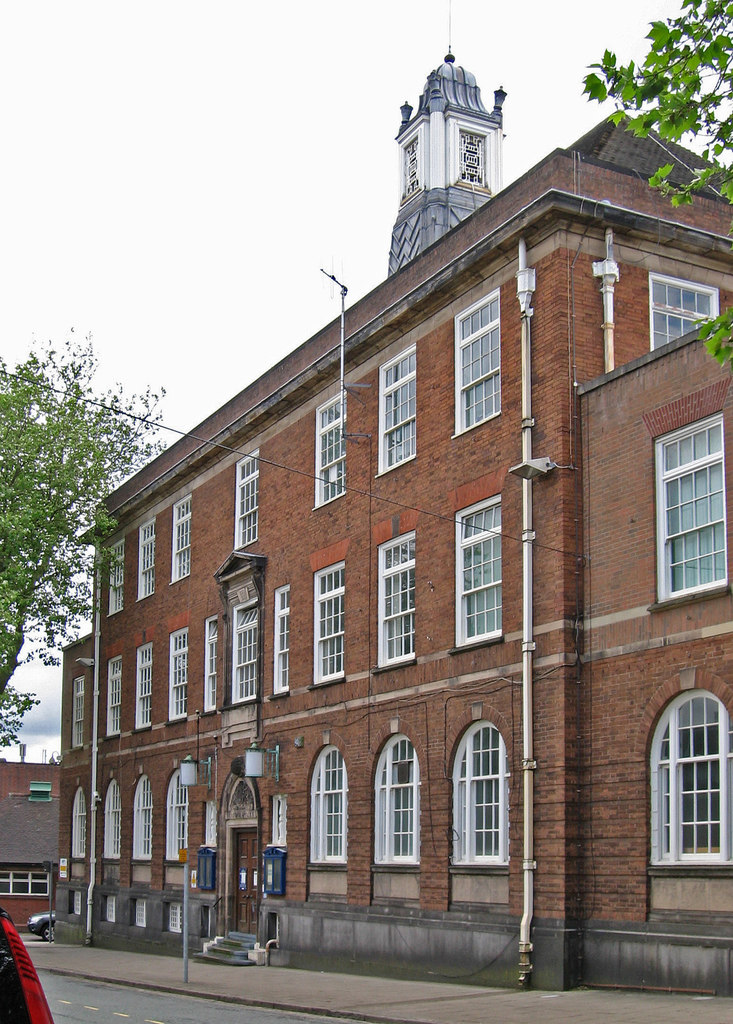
(682,91)
(63,449)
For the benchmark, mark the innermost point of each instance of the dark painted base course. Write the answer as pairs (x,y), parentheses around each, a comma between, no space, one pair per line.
(475,948)
(470,947)
(671,954)
(122,934)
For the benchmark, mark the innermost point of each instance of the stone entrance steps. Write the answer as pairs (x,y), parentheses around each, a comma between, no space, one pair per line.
(232,950)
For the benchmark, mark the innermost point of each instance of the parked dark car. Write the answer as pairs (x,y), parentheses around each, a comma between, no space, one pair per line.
(41,924)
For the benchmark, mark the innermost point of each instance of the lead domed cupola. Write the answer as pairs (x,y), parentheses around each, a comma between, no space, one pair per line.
(450,159)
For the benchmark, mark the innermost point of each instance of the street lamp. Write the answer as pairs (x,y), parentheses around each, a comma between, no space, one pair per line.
(189,770)
(189,777)
(259,762)
(530,469)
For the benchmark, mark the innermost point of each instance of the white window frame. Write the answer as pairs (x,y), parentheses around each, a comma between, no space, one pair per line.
(681,531)
(247,511)
(181,531)
(77,902)
(397,804)
(79,825)
(142,820)
(329,808)
(178,675)
(680,319)
(473,588)
(211,823)
(245,653)
(141,913)
(112,821)
(398,410)
(397,579)
(211,634)
(176,818)
(330,451)
(144,686)
(110,909)
(281,669)
(23,883)
(114,695)
(279,820)
(687,744)
(146,560)
(471,342)
(329,590)
(175,917)
(481,797)
(117,577)
(77,724)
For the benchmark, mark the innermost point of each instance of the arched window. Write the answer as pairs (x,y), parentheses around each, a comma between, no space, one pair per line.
(112,820)
(176,831)
(691,769)
(397,804)
(480,798)
(142,821)
(79,825)
(328,807)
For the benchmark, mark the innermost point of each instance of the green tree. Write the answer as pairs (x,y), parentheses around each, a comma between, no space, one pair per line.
(13,705)
(682,90)
(63,449)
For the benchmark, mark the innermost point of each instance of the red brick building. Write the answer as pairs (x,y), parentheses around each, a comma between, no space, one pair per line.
(29,812)
(470,598)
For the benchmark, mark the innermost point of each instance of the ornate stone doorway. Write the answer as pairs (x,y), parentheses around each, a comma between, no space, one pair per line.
(242,875)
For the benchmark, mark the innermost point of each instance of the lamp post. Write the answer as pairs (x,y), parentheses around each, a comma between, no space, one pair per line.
(188,769)
(93,663)
(186,878)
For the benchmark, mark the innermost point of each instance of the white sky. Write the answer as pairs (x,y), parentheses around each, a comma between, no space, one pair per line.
(174,174)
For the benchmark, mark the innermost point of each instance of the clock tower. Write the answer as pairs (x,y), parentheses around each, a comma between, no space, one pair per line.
(450,155)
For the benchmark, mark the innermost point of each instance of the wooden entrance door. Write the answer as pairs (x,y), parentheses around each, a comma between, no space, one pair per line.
(246,881)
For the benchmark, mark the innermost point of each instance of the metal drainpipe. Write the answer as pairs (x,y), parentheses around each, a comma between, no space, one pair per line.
(608,271)
(95,753)
(525,290)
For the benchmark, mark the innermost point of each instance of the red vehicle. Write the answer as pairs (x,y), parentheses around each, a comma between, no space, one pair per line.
(22,1000)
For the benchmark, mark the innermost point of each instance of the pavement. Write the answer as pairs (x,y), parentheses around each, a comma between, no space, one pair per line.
(367,998)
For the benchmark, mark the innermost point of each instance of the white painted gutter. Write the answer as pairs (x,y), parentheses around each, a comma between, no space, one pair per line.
(92,837)
(525,290)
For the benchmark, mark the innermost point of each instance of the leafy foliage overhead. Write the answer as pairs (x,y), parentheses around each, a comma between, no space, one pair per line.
(63,449)
(682,91)
(13,705)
